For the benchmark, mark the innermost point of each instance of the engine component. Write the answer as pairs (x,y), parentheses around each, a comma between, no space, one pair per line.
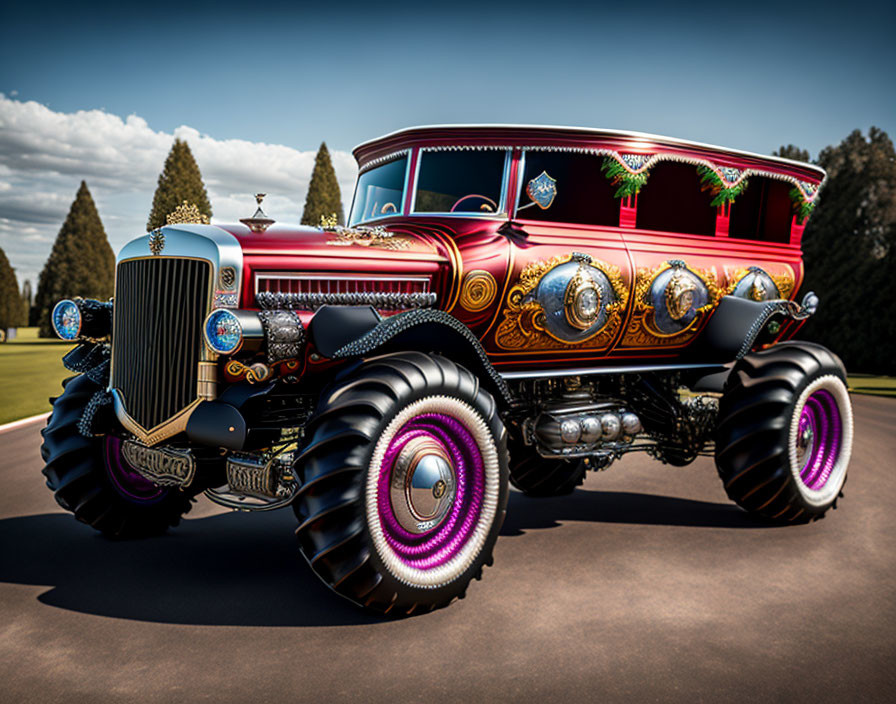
(160,465)
(631,424)
(579,430)
(591,430)
(256,482)
(610,426)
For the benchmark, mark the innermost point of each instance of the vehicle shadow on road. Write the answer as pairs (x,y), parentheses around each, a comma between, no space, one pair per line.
(228,569)
(244,569)
(525,513)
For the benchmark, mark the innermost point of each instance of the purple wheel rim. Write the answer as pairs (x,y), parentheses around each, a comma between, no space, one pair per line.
(819,439)
(445,540)
(126,481)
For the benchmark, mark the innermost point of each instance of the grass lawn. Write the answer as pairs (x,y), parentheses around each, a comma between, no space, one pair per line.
(31,371)
(876,385)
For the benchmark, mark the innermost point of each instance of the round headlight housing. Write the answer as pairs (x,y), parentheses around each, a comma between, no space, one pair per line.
(66,319)
(223,331)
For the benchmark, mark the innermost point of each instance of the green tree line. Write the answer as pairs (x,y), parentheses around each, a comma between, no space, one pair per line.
(848,245)
(849,252)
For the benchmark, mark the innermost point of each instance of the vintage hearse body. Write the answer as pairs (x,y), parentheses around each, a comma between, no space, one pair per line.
(506,304)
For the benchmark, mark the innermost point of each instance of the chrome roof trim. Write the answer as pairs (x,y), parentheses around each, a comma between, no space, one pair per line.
(597,132)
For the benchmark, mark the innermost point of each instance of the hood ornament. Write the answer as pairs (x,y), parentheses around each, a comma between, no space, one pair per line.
(156,241)
(259,222)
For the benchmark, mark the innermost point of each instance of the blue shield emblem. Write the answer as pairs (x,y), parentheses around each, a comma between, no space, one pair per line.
(542,190)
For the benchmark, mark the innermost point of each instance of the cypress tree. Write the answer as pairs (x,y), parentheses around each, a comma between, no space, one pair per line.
(179,181)
(28,301)
(324,198)
(81,262)
(11,308)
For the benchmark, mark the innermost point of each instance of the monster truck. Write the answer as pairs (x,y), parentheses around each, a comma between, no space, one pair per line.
(507,305)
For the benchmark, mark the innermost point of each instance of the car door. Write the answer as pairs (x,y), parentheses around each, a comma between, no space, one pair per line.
(569,281)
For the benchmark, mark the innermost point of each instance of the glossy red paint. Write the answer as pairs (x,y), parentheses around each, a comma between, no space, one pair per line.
(446,248)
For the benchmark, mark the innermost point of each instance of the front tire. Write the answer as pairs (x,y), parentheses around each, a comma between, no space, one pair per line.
(404,483)
(91,478)
(785,432)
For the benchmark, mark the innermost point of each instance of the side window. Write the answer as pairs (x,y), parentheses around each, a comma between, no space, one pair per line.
(672,200)
(581,193)
(762,212)
(464,181)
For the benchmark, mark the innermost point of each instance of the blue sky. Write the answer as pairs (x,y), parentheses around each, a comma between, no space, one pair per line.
(747,75)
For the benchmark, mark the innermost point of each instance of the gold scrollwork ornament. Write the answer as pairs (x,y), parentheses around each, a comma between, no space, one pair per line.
(478,290)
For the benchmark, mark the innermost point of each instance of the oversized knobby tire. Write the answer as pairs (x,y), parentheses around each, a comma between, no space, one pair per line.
(91,478)
(784,435)
(404,483)
(536,476)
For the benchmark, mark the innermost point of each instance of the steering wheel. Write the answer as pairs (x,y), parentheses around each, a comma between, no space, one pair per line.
(388,208)
(488,205)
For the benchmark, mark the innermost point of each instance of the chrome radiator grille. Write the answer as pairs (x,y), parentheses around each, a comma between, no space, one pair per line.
(160,304)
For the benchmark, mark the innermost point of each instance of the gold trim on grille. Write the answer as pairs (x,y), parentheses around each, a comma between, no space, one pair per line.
(174,425)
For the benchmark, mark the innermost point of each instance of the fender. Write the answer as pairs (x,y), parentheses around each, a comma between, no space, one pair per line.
(736,323)
(346,332)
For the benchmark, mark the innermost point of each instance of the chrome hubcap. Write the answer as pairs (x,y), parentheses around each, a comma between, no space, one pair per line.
(423,485)
(805,441)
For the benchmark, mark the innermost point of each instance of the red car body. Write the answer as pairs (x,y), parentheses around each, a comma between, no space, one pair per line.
(445,249)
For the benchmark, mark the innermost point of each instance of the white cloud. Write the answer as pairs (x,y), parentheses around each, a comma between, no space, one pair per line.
(44,155)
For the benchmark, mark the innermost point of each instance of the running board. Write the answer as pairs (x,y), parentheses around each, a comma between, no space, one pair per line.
(586,371)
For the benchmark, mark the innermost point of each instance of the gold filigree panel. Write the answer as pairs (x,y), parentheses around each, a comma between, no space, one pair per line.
(523,324)
(642,331)
(784,279)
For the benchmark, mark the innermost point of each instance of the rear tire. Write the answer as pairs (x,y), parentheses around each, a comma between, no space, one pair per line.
(404,483)
(538,477)
(785,431)
(90,478)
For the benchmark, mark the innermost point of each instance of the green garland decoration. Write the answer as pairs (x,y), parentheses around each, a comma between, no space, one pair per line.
(629,183)
(712,182)
(802,208)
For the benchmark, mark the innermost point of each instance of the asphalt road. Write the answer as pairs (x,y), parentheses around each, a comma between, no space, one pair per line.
(646,585)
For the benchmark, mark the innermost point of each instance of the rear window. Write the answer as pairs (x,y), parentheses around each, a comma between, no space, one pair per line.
(673,200)
(460,181)
(762,212)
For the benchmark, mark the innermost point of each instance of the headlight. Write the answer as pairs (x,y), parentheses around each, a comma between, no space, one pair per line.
(223,332)
(66,319)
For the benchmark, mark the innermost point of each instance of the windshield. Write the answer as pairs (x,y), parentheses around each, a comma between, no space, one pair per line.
(379,191)
(460,182)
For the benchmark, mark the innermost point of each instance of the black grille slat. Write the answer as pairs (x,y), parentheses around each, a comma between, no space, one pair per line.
(159,307)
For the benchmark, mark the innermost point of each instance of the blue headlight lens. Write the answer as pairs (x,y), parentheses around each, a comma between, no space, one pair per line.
(66,320)
(223,331)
